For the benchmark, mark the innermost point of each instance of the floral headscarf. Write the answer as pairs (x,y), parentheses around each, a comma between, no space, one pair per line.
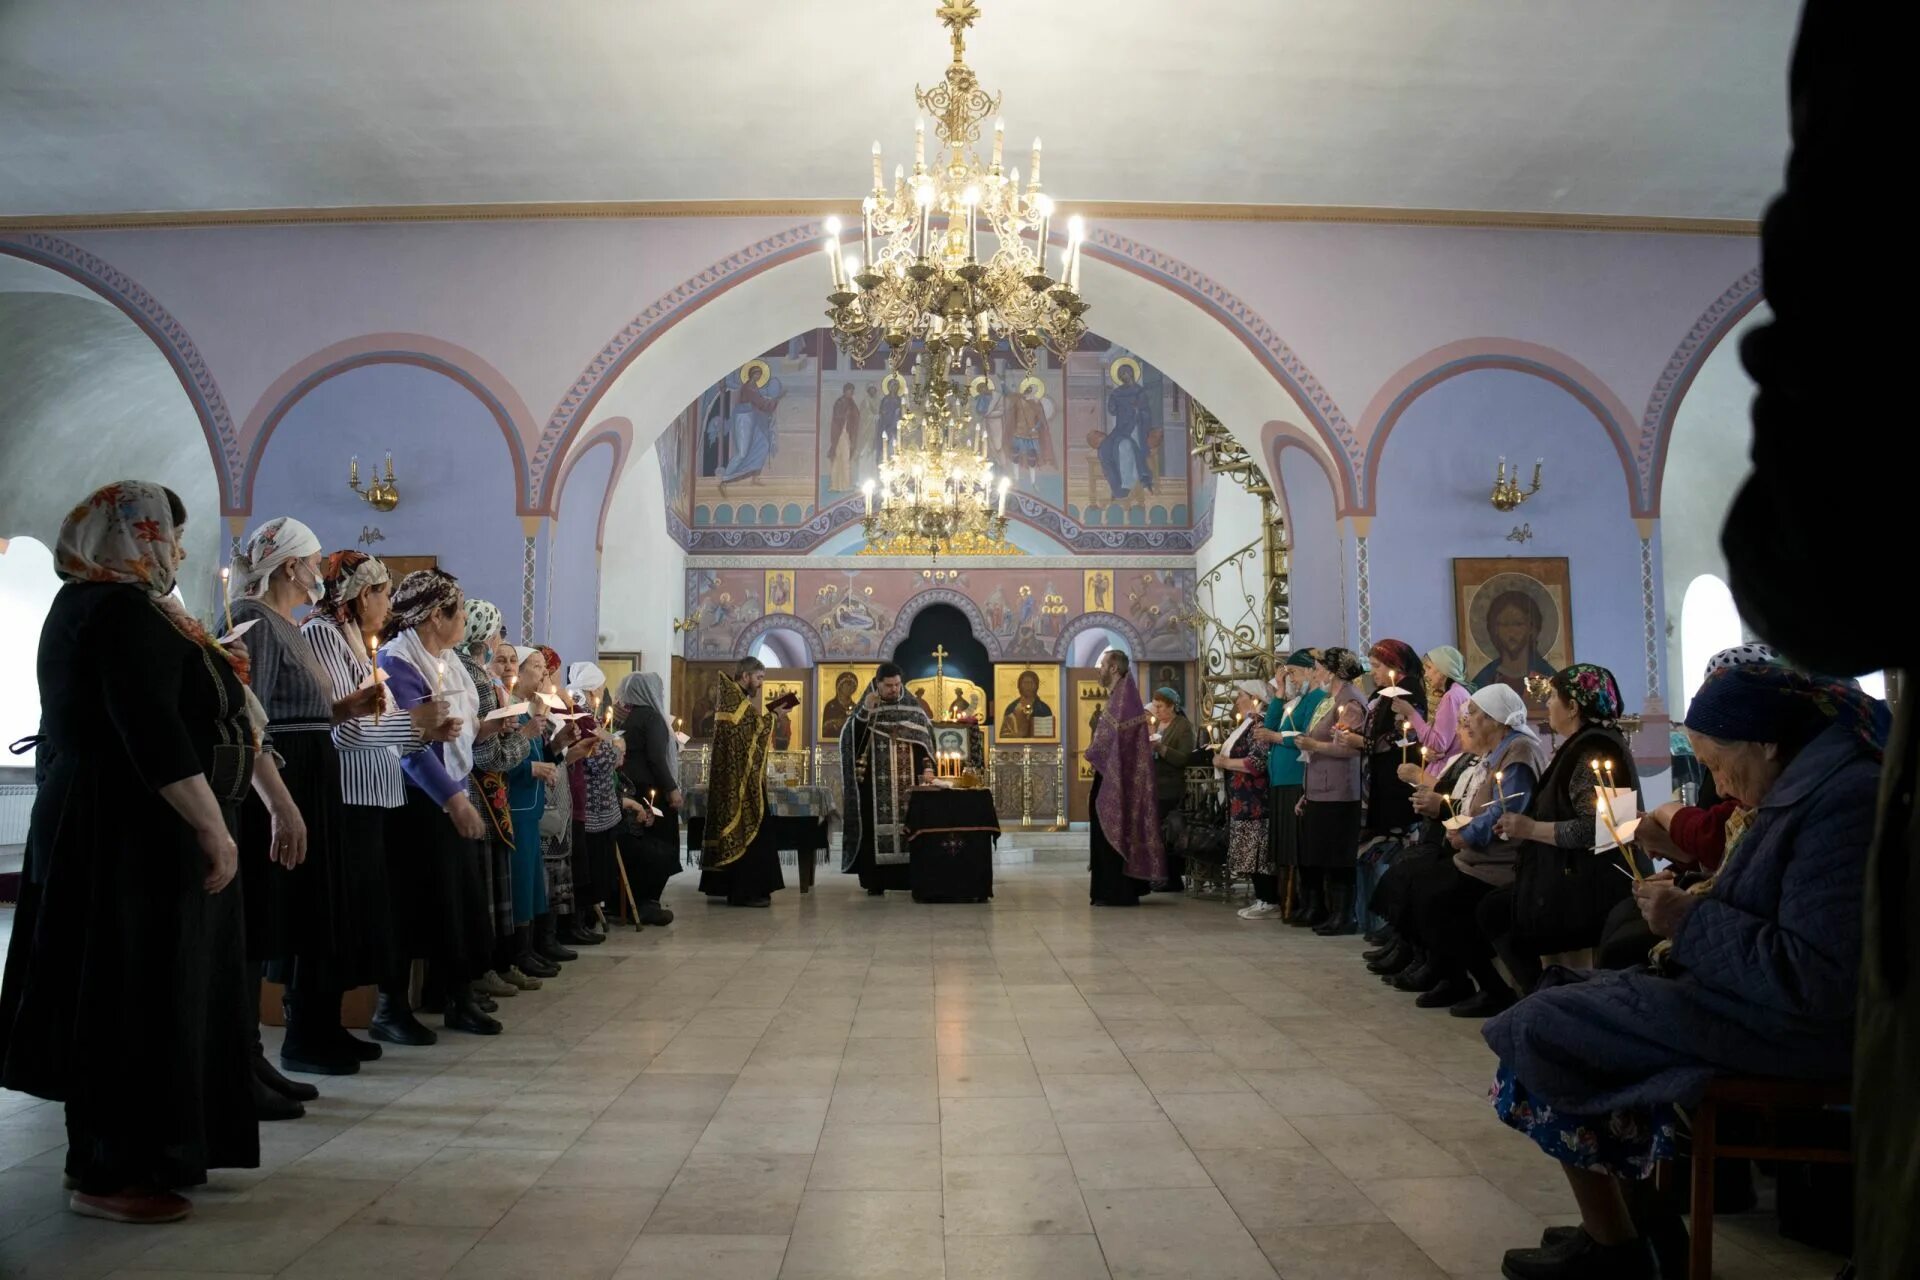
(1593,692)
(420,595)
(123,532)
(483,622)
(1343,663)
(347,574)
(1766,702)
(554,670)
(267,548)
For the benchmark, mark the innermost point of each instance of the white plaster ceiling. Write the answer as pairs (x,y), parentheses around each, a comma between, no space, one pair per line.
(1649,107)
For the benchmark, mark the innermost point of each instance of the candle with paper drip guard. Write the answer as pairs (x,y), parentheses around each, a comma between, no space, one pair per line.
(1608,795)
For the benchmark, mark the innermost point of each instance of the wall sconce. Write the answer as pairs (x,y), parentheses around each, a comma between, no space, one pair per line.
(1507,494)
(381,493)
(687,624)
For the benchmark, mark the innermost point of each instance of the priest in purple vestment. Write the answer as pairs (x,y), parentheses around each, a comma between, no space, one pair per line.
(1124,844)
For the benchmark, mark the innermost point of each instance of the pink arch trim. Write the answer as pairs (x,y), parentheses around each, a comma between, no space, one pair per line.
(487,384)
(122,291)
(1275,438)
(599,375)
(616,434)
(1688,358)
(1443,363)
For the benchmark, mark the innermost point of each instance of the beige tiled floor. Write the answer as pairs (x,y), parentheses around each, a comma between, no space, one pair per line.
(843,1087)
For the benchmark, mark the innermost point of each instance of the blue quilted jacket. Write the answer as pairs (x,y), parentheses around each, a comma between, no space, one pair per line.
(1767,964)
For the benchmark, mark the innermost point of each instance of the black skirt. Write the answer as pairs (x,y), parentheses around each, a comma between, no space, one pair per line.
(595,883)
(1389,800)
(754,874)
(315,924)
(1330,834)
(363,842)
(1109,884)
(1283,825)
(441,910)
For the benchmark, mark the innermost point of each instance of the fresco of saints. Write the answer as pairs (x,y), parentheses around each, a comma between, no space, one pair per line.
(843,437)
(868,446)
(888,426)
(751,442)
(1030,446)
(1123,454)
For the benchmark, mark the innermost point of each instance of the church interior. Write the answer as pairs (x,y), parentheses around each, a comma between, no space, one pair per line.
(788,485)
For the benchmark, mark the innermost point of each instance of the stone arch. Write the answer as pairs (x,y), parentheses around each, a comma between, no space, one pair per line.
(1102,622)
(1277,437)
(168,334)
(1688,358)
(1414,380)
(486,383)
(800,243)
(749,634)
(976,621)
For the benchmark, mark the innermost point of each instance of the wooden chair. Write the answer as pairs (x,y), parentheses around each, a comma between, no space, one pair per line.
(1769,1097)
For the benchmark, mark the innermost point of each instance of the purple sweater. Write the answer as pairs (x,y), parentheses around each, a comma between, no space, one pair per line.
(426,768)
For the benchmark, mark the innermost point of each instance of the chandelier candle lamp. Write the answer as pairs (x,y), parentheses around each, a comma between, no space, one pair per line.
(381,493)
(1507,493)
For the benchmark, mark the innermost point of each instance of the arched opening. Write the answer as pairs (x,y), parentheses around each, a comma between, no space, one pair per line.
(1084,649)
(27,588)
(963,660)
(782,647)
(1709,622)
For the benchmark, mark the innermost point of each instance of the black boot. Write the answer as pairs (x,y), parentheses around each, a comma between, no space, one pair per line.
(1495,996)
(1390,959)
(270,1104)
(269,1075)
(1449,991)
(546,944)
(311,1046)
(528,960)
(651,912)
(1424,975)
(1308,904)
(1383,943)
(569,930)
(1339,921)
(393,1021)
(324,1022)
(464,1015)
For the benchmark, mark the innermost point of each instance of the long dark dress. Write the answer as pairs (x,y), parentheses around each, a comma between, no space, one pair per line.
(652,854)
(873,873)
(119,955)
(754,874)
(1111,885)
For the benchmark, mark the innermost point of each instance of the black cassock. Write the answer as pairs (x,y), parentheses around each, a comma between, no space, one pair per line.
(880,816)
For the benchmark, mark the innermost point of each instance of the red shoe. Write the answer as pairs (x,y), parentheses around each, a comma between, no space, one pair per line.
(143,1208)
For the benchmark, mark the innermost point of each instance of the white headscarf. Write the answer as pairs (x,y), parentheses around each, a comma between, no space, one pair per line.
(267,548)
(448,674)
(1502,704)
(585,677)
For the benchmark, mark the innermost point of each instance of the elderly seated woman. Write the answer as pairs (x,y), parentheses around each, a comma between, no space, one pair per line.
(1756,976)
(1512,761)
(1395,897)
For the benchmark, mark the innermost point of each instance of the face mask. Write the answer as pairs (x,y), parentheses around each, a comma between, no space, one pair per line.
(316,590)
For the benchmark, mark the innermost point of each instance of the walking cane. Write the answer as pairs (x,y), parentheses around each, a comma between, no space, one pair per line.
(632,908)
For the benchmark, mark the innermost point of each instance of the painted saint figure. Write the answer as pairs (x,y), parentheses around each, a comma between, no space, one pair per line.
(751,440)
(1029,716)
(1126,441)
(843,437)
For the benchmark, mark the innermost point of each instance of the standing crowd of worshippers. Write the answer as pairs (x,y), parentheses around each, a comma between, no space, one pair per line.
(1612,993)
(350,782)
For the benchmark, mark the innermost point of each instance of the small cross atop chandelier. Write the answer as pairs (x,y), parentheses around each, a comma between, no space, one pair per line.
(944,262)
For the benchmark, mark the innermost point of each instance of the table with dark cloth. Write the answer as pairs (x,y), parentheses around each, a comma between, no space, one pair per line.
(801,819)
(950,842)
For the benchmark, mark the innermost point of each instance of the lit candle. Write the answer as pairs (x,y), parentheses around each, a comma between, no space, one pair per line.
(373,660)
(999,141)
(1005,481)
(439,674)
(1076,232)
(866,219)
(878,176)
(1044,207)
(867,491)
(1033,179)
(919,144)
(226,600)
(1406,727)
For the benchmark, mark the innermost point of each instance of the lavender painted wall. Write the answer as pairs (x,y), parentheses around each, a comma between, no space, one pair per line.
(1434,480)
(455,478)
(570,564)
(1315,557)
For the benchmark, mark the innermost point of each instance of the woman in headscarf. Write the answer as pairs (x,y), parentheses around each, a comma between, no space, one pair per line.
(572,743)
(1173,742)
(597,814)
(527,799)
(318,926)
(651,766)
(1445,673)
(1287,717)
(127,940)
(441,905)
(1561,894)
(1442,922)
(1330,799)
(1758,970)
(1242,762)
(342,631)
(1389,809)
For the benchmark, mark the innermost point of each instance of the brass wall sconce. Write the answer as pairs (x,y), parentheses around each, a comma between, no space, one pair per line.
(686,624)
(1507,493)
(381,493)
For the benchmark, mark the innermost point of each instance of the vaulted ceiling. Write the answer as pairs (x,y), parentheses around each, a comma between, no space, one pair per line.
(1645,107)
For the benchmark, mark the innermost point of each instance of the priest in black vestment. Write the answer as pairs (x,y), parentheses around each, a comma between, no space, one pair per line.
(886,747)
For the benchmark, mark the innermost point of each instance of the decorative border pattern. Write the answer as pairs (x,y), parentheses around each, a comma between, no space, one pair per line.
(1670,388)
(196,379)
(526,588)
(1647,611)
(1366,599)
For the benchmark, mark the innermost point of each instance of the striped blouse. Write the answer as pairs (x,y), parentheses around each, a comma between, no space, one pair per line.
(369,753)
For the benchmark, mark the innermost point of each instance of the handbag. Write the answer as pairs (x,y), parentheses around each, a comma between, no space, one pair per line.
(1198,834)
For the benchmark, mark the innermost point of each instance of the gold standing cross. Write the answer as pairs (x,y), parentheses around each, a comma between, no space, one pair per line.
(940,656)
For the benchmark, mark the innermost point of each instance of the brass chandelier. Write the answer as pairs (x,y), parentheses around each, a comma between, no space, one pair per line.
(945,264)
(936,492)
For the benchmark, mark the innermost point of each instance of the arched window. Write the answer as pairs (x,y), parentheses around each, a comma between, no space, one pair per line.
(1087,647)
(1708,623)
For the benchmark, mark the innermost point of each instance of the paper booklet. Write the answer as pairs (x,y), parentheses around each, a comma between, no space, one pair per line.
(1623,805)
(510,710)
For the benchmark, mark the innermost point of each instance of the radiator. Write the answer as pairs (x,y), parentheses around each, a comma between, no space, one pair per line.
(16,806)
